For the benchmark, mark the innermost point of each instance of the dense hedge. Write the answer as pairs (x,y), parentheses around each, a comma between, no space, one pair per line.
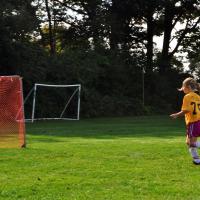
(111,85)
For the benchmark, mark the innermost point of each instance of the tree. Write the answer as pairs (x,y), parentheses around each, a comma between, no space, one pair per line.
(17,23)
(175,12)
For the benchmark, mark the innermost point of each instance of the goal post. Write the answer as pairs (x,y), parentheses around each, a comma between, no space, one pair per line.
(57,99)
(12,123)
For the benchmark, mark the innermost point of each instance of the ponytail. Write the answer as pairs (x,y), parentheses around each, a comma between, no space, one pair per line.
(198,87)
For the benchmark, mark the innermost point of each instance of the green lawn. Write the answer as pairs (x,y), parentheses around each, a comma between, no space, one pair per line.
(140,158)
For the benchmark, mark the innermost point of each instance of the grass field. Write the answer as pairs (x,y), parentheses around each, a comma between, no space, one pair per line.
(142,158)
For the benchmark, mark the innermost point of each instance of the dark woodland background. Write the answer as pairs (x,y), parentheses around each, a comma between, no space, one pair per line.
(106,46)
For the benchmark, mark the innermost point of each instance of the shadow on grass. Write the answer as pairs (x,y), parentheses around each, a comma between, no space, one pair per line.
(109,128)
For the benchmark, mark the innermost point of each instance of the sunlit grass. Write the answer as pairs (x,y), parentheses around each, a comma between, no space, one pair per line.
(99,159)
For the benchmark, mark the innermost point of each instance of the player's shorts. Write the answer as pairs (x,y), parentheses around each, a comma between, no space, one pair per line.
(193,129)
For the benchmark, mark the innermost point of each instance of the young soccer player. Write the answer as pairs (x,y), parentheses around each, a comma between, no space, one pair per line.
(191,110)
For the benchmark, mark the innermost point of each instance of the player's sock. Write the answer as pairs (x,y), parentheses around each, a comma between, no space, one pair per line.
(197,144)
(194,153)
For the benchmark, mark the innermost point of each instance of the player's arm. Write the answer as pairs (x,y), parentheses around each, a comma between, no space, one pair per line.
(185,108)
(179,114)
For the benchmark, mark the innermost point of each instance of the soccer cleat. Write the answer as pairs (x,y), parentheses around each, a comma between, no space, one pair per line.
(196,161)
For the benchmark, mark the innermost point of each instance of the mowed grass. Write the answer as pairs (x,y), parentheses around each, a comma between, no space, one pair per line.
(140,158)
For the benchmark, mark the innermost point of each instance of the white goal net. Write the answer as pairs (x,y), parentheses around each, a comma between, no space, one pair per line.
(53,102)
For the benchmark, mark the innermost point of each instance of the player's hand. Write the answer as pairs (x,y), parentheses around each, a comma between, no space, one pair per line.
(174,116)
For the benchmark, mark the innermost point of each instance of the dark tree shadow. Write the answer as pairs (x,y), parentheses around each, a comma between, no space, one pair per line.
(109,128)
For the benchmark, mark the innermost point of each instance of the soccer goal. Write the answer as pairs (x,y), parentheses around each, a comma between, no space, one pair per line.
(53,102)
(12,126)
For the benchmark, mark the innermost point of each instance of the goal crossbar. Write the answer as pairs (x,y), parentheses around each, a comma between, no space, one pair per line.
(47,85)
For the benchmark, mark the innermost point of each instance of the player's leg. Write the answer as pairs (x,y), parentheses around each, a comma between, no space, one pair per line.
(191,141)
(196,133)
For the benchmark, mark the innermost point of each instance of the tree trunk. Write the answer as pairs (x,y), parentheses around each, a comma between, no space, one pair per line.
(116,26)
(150,30)
(165,58)
(51,35)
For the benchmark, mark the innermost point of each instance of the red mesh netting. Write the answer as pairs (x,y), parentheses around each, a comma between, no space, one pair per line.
(12,127)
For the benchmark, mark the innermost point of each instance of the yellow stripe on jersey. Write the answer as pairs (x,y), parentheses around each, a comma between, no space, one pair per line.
(191,103)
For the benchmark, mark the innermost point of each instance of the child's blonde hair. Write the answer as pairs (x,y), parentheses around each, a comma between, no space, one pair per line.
(192,84)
